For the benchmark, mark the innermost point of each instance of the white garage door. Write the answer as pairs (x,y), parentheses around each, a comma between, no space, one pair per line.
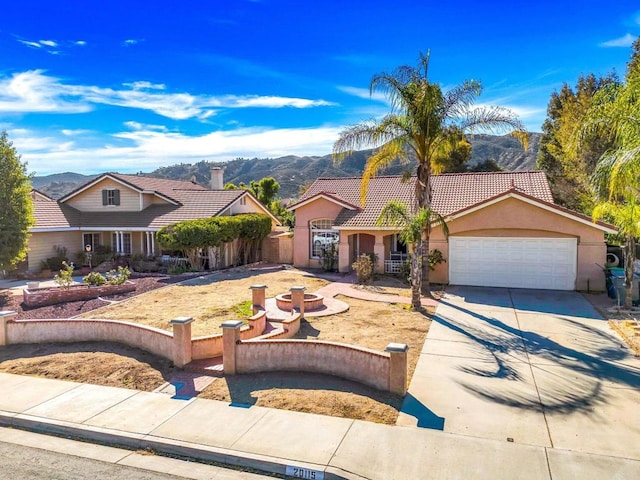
(548,263)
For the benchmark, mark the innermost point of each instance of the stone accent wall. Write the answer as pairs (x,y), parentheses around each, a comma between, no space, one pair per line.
(41,297)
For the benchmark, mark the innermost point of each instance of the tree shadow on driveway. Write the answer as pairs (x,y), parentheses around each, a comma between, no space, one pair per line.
(568,379)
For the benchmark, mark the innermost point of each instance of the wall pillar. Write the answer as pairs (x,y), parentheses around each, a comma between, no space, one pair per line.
(258,297)
(297,299)
(398,368)
(344,254)
(181,340)
(5,316)
(230,338)
(378,250)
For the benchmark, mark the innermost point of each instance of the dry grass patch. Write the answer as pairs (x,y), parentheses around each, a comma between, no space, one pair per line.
(210,300)
(100,363)
(368,324)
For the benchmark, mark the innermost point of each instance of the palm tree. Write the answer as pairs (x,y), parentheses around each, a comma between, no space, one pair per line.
(616,179)
(397,214)
(422,122)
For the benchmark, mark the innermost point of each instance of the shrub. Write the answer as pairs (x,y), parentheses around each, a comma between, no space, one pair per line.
(434,258)
(65,278)
(329,257)
(118,277)
(364,268)
(94,278)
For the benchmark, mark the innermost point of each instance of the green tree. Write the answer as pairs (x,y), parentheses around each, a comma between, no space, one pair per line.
(616,178)
(569,165)
(267,190)
(422,122)
(412,226)
(16,211)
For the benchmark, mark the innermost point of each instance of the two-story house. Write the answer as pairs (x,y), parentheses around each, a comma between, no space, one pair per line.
(124,212)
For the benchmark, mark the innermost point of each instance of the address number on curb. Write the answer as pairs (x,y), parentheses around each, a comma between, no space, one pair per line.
(299,472)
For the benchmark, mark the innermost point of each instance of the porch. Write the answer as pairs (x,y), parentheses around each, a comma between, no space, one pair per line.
(389,251)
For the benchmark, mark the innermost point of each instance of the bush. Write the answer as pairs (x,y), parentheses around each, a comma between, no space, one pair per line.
(364,267)
(434,258)
(95,279)
(118,277)
(329,258)
(65,278)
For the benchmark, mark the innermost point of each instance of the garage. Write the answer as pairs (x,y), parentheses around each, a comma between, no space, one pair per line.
(515,262)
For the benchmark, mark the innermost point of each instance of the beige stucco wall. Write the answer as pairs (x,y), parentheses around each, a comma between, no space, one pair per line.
(42,246)
(515,218)
(90,200)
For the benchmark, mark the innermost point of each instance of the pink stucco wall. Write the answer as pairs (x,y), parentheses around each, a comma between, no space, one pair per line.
(150,339)
(347,361)
(515,218)
(319,209)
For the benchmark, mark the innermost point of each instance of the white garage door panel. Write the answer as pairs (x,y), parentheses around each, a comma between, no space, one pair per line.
(548,263)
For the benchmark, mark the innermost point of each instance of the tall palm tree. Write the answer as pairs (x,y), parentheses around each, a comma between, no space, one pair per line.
(411,225)
(422,121)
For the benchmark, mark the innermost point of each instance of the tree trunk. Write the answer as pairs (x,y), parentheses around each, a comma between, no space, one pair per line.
(423,197)
(416,276)
(629,258)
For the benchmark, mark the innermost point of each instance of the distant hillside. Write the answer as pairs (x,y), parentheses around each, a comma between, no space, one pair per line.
(292,172)
(59,184)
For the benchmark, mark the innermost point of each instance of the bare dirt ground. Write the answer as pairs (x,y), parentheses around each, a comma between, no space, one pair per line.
(100,363)
(210,299)
(368,324)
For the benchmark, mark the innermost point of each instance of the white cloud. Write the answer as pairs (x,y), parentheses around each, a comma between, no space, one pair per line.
(49,43)
(363,93)
(131,41)
(34,91)
(147,148)
(30,44)
(625,41)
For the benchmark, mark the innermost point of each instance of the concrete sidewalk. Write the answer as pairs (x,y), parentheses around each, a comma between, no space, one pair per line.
(279,441)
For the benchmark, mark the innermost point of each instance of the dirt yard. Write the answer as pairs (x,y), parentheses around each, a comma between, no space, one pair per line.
(215,298)
(210,300)
(368,324)
(100,363)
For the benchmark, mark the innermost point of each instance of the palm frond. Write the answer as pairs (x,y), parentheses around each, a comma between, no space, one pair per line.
(379,161)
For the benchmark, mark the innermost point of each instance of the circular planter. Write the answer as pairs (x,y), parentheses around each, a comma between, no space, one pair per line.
(312,301)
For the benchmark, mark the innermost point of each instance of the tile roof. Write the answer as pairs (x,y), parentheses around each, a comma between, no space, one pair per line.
(192,201)
(451,192)
(163,186)
(54,215)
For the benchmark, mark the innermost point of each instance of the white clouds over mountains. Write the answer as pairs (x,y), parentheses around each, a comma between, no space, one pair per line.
(35,91)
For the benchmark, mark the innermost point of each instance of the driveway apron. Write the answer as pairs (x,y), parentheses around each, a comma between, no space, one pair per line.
(527,366)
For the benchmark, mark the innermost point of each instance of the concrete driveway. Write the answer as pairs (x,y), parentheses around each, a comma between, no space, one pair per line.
(527,366)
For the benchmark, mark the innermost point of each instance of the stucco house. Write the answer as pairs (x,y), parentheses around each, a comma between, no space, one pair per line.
(504,230)
(124,212)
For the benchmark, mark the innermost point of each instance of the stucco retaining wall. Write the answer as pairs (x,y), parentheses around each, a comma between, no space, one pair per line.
(359,364)
(150,339)
(211,346)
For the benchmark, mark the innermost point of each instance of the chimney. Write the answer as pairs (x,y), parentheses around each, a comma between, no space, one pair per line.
(216,179)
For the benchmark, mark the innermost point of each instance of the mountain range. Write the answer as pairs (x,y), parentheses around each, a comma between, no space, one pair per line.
(293,172)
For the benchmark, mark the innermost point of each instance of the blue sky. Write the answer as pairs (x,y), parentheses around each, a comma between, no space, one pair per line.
(131,86)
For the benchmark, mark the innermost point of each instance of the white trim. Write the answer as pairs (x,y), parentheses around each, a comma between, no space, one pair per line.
(366,229)
(319,196)
(533,202)
(54,229)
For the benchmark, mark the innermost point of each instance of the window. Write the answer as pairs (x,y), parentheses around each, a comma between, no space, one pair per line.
(92,239)
(125,247)
(111,196)
(322,236)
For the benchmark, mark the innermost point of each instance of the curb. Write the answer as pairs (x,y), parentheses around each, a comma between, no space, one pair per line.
(135,441)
